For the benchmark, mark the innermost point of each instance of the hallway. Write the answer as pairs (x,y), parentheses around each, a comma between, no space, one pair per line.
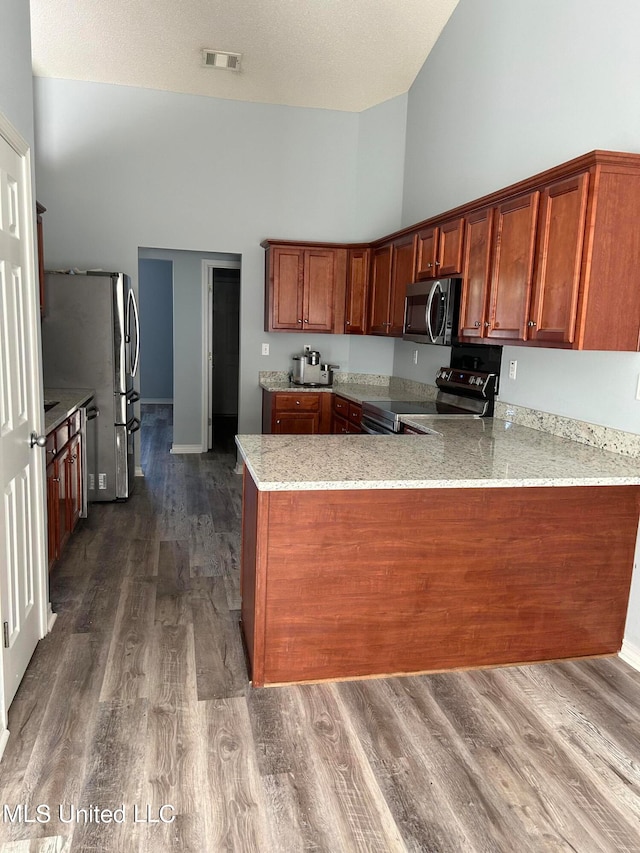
(139,699)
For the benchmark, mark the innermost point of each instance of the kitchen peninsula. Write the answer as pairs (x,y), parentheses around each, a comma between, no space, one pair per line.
(482,543)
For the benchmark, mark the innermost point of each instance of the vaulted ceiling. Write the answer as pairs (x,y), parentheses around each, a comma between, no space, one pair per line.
(331,54)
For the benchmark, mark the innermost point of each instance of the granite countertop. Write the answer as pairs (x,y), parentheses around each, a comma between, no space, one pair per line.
(468,453)
(357,392)
(68,400)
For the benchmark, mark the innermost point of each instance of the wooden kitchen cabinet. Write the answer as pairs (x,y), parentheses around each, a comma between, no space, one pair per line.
(393,269)
(439,250)
(476,275)
(64,484)
(512,269)
(347,416)
(305,288)
(40,209)
(296,413)
(357,296)
(556,286)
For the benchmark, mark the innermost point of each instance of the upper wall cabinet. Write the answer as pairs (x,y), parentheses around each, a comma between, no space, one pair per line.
(356,306)
(439,250)
(305,288)
(553,260)
(393,268)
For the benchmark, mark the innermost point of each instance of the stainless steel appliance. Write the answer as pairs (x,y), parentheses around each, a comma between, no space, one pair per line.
(467,388)
(431,311)
(309,370)
(90,339)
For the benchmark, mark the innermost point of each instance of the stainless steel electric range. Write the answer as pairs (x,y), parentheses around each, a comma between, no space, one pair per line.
(467,388)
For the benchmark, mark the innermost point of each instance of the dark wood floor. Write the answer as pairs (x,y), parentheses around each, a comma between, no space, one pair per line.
(139,697)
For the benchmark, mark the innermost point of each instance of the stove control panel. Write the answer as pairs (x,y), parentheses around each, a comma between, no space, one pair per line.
(481,384)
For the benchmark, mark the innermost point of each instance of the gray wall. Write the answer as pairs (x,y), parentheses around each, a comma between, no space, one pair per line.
(155,291)
(121,167)
(517,88)
(16,84)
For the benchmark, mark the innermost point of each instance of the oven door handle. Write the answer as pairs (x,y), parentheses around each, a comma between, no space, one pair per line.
(373,429)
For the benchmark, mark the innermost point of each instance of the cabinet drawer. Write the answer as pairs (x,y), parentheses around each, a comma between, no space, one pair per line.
(62,435)
(51,446)
(74,423)
(297,402)
(341,406)
(355,413)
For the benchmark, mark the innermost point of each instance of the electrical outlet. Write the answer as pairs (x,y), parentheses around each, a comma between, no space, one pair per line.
(513,369)
(265,349)
(306,348)
(415,356)
(102,481)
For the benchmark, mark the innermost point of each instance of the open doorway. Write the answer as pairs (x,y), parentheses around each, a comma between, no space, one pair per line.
(221,289)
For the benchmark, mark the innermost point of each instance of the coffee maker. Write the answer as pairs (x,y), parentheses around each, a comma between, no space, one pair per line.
(310,371)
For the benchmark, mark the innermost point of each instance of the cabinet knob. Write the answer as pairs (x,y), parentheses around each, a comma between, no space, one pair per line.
(299,321)
(437,263)
(487,324)
(277,422)
(297,402)
(347,322)
(531,323)
(306,321)
(56,479)
(477,323)
(429,266)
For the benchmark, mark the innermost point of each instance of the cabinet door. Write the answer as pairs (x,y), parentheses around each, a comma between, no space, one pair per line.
(380,291)
(319,279)
(339,426)
(296,423)
(53,538)
(427,253)
(62,498)
(404,263)
(450,243)
(514,249)
(357,292)
(476,276)
(561,225)
(286,270)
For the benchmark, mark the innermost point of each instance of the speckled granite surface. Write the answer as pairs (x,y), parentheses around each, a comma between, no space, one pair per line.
(69,399)
(606,438)
(357,391)
(486,452)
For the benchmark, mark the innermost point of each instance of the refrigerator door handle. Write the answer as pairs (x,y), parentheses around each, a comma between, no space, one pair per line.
(133,425)
(132,309)
(133,396)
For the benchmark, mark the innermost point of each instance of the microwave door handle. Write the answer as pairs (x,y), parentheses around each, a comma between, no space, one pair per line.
(427,311)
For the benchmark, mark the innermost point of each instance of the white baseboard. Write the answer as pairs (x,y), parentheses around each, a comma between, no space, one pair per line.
(186,448)
(4,737)
(162,401)
(51,618)
(630,654)
(139,472)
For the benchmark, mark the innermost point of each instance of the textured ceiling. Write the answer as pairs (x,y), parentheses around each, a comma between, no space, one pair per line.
(333,54)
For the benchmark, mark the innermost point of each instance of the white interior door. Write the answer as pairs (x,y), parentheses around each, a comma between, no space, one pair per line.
(23,574)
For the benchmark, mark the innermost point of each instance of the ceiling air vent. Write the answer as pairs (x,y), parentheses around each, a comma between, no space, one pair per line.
(221,59)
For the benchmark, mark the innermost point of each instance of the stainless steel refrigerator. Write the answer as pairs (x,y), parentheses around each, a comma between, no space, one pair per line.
(90,339)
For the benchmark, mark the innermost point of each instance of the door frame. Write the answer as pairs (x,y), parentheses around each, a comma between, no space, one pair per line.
(41,592)
(208,266)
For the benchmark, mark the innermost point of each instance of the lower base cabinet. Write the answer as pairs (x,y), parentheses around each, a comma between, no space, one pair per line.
(296,413)
(64,485)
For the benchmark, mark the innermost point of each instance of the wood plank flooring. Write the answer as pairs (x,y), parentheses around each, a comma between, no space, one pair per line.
(139,699)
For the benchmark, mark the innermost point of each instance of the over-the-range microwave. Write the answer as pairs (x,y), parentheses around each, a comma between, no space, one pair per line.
(431,311)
